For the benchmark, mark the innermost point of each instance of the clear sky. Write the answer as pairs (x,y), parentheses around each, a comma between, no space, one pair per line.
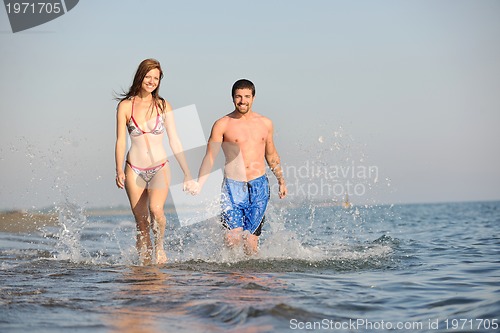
(409,88)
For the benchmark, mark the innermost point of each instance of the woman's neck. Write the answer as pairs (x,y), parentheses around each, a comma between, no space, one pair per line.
(145,96)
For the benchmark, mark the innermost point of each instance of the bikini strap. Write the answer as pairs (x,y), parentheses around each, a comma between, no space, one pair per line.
(133,119)
(157,112)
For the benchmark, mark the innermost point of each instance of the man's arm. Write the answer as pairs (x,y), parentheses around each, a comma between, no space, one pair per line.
(213,148)
(274,162)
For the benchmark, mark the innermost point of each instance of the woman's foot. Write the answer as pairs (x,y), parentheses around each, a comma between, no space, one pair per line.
(145,260)
(144,249)
(161,257)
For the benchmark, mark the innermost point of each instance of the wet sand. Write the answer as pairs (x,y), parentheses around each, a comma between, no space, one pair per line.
(21,221)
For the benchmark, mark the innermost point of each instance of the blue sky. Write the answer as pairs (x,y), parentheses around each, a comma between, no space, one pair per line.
(408,87)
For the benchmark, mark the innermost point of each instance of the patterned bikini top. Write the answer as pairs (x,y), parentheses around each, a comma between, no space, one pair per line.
(135,130)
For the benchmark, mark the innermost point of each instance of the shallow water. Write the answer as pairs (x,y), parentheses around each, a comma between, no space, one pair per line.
(426,268)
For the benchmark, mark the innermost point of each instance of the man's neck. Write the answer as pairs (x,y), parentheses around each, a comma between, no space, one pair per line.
(239,115)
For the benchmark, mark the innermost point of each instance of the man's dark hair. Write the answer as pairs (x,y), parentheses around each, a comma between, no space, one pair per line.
(243,84)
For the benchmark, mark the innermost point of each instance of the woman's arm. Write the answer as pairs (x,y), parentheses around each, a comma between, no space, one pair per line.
(121,142)
(175,142)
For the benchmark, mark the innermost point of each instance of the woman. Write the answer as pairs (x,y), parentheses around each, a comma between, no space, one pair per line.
(146,176)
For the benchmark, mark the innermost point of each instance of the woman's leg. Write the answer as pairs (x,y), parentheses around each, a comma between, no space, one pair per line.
(138,197)
(158,192)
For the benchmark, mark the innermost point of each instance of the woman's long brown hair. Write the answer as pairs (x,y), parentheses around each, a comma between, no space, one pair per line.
(144,67)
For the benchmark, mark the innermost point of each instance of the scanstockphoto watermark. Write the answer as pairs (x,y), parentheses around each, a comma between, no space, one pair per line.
(357,325)
(312,179)
(431,324)
(25,14)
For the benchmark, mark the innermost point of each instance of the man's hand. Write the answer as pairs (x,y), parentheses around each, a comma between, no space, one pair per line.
(283,191)
(191,186)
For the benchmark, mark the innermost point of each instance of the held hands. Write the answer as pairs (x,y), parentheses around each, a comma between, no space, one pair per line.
(197,189)
(191,186)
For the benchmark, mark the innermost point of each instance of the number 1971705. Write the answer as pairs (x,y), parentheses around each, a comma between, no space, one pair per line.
(471,324)
(33,8)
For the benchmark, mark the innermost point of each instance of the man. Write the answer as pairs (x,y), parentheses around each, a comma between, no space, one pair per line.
(246,138)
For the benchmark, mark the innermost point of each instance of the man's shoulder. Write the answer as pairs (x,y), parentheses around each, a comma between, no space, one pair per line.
(223,120)
(220,125)
(262,118)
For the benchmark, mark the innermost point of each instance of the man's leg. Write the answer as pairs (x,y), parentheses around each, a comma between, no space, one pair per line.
(251,241)
(234,237)
(255,213)
(251,244)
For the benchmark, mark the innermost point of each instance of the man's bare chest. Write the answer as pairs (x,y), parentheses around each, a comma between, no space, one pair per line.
(245,134)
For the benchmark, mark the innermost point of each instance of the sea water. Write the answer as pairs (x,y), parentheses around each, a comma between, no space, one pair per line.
(425,268)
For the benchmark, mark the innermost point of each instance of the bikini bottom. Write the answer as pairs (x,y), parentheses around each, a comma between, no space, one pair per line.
(146,173)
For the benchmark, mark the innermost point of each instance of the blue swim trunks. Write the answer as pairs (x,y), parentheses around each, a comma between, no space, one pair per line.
(244,204)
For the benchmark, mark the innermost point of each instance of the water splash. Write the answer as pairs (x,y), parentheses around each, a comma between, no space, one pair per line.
(293,239)
(44,175)
(332,168)
(312,229)
(308,227)
(71,220)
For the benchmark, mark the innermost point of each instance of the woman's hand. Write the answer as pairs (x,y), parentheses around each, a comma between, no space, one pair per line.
(191,186)
(120,179)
